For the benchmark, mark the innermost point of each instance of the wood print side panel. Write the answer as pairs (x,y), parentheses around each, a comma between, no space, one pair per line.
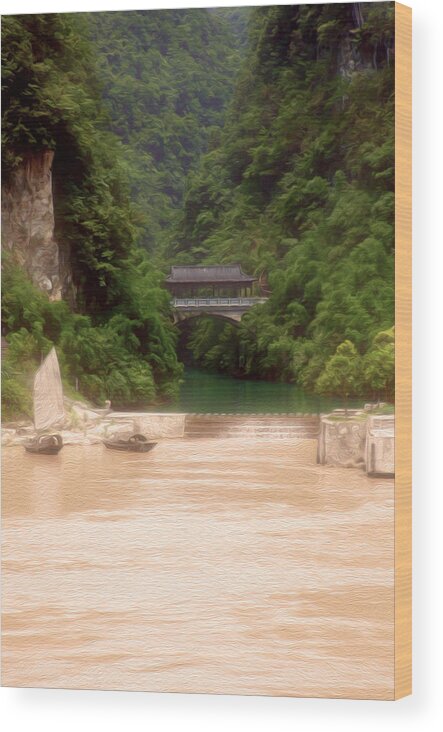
(403,352)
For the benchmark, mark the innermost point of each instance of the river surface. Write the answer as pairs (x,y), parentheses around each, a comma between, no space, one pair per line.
(231,566)
(215,393)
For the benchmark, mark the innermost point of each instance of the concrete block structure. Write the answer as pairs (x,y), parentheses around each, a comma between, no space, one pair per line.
(380,445)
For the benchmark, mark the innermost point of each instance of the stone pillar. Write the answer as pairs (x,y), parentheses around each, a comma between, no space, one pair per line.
(380,445)
(342,442)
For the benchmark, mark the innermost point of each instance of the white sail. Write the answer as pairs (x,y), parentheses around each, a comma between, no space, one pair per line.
(48,393)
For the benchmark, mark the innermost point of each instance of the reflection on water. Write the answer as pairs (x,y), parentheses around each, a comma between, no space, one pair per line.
(206,565)
(204,392)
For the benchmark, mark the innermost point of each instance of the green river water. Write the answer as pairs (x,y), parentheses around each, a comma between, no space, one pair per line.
(216,393)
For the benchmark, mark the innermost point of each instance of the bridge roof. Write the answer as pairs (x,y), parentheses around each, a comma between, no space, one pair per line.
(209,274)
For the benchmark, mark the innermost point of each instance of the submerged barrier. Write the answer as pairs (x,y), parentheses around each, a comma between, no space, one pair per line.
(269,426)
(357,439)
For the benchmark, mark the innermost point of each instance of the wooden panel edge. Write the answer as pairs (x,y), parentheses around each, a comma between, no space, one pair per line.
(403,353)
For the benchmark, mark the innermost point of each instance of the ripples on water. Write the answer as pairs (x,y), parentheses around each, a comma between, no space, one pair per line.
(236,566)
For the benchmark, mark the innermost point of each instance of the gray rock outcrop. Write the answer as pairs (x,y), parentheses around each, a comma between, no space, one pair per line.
(28,224)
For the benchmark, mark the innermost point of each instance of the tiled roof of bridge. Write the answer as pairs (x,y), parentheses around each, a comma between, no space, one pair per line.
(231,273)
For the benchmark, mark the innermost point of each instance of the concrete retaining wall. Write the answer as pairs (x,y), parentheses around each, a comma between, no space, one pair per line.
(342,442)
(363,440)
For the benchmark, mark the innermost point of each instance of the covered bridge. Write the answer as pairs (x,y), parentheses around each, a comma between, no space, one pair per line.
(217,280)
(221,290)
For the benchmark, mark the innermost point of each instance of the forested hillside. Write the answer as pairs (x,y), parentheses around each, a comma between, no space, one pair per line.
(262,136)
(166,80)
(301,192)
(118,341)
(128,102)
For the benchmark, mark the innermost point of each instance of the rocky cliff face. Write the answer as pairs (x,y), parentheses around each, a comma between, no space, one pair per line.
(28,225)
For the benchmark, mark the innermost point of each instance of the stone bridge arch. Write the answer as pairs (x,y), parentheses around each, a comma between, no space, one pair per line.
(234,318)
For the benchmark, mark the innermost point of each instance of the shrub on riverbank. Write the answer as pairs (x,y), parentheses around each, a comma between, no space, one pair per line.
(129,358)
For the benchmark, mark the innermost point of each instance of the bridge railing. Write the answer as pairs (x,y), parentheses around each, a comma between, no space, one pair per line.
(205,302)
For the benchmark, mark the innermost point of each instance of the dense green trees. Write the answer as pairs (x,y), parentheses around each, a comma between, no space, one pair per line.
(379,365)
(341,372)
(129,358)
(51,100)
(166,78)
(120,344)
(301,192)
(128,102)
(295,181)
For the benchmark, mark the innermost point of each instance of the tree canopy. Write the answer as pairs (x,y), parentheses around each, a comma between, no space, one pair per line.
(300,190)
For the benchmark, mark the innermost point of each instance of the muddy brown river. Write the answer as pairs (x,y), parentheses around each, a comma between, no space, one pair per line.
(212,565)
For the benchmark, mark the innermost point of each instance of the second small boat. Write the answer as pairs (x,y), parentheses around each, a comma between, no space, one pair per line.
(45,444)
(134,443)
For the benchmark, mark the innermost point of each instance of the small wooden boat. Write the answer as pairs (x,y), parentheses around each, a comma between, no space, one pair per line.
(45,444)
(49,412)
(134,443)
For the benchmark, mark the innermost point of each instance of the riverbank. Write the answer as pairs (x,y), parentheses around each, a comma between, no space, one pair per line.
(361,439)
(89,428)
